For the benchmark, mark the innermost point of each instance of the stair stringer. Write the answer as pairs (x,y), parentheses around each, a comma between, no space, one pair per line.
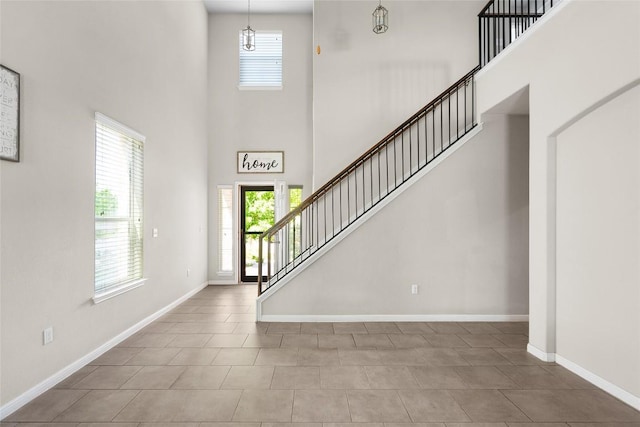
(361,221)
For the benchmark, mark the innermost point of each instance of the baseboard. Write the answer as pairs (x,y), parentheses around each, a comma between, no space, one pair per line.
(612,389)
(65,372)
(394,317)
(545,357)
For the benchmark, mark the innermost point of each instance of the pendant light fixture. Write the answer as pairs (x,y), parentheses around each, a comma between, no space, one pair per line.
(248,34)
(380,19)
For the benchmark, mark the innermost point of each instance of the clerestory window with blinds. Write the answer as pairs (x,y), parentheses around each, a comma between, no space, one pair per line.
(118,208)
(262,68)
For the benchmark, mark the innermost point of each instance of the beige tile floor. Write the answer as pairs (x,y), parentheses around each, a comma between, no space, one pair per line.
(208,364)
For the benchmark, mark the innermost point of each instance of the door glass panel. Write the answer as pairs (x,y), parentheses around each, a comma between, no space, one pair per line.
(258,215)
(251,257)
(259,210)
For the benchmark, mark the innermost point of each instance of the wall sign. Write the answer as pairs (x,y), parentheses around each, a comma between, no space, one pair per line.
(260,161)
(9,114)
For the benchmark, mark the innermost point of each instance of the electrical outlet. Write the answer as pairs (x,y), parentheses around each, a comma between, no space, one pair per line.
(414,289)
(47,335)
(188,272)
(154,232)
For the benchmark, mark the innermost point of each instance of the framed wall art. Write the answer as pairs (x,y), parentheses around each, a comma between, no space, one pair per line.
(260,161)
(9,114)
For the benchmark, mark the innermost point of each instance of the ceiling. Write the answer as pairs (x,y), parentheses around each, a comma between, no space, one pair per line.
(259,6)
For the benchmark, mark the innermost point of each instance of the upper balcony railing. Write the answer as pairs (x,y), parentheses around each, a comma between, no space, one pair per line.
(503,21)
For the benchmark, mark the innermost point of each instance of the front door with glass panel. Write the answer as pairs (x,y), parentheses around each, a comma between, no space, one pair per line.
(257,214)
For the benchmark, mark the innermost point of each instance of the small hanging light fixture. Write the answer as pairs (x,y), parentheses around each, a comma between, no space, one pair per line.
(380,19)
(248,34)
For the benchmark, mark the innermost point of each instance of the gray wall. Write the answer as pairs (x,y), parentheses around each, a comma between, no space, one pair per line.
(143,64)
(254,120)
(565,85)
(564,81)
(599,242)
(366,84)
(460,233)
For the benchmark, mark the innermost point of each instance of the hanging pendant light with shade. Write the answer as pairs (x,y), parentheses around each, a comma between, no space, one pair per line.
(248,34)
(380,19)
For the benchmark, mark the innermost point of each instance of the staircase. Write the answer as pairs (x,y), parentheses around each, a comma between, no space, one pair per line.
(394,161)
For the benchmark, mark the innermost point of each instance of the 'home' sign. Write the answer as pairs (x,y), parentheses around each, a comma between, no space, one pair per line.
(260,161)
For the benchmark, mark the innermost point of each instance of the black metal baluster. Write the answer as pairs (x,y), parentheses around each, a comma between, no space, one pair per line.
(402,154)
(426,140)
(479,41)
(294,241)
(340,204)
(355,188)
(503,36)
(395,164)
(473,109)
(379,173)
(364,191)
(418,141)
(333,210)
(466,85)
(448,99)
(268,259)
(317,223)
(497,20)
(348,200)
(386,155)
(410,151)
(433,130)
(457,114)
(510,23)
(324,216)
(371,178)
(487,38)
(286,254)
(441,127)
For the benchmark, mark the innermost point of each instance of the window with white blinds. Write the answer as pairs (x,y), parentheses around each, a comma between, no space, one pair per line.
(262,68)
(225,229)
(118,208)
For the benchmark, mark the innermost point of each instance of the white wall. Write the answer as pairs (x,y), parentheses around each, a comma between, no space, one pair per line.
(143,64)
(257,120)
(599,242)
(460,233)
(570,69)
(367,84)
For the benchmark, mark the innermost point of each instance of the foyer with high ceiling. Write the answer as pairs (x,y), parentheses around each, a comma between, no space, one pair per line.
(439,202)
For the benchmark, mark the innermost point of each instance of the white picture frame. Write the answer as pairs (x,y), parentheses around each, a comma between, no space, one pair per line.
(252,162)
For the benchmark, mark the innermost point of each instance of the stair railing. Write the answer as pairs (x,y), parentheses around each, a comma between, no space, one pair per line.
(503,21)
(367,181)
(396,158)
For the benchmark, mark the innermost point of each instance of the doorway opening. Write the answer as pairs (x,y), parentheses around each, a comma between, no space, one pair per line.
(257,215)
(261,205)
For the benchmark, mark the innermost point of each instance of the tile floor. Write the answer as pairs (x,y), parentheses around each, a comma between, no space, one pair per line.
(208,364)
